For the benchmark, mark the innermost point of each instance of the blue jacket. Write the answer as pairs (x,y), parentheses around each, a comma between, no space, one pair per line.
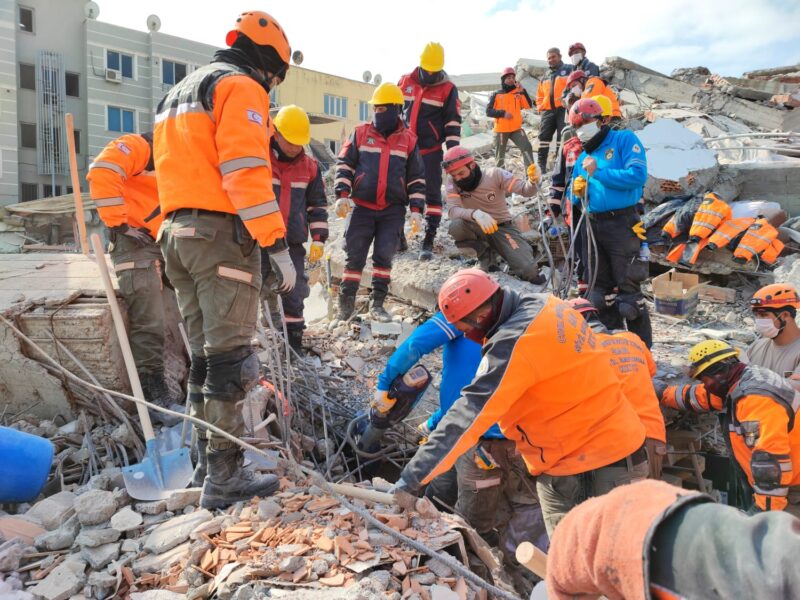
(460,360)
(620,176)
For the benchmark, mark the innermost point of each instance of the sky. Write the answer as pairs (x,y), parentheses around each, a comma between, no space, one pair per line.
(346,38)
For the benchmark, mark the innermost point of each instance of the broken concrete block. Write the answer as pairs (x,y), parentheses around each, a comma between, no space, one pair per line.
(100,556)
(10,554)
(175,531)
(126,519)
(292,564)
(438,568)
(442,592)
(92,538)
(151,508)
(424,578)
(95,507)
(381,578)
(157,595)
(101,580)
(183,498)
(268,509)
(156,563)
(62,583)
(60,538)
(130,546)
(391,328)
(52,511)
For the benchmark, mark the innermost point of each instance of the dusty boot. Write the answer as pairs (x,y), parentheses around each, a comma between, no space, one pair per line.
(376,310)
(296,340)
(347,304)
(156,391)
(202,463)
(427,246)
(228,481)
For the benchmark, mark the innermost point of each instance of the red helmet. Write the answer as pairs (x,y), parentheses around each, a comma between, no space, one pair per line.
(464,292)
(582,305)
(575,76)
(263,30)
(456,157)
(577,47)
(583,111)
(508,71)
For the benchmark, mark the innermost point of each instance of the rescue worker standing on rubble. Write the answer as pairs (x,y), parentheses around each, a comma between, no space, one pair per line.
(122,184)
(432,111)
(549,103)
(480,221)
(297,183)
(378,171)
(577,56)
(775,309)
(548,384)
(757,411)
(212,153)
(607,182)
(506,106)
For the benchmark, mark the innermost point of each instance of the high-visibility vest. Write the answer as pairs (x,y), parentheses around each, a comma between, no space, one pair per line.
(756,240)
(513,103)
(710,214)
(728,232)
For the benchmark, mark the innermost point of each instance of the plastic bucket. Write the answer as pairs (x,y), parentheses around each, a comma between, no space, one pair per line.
(25,462)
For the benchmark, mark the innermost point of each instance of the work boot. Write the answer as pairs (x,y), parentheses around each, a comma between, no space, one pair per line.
(427,246)
(376,310)
(202,463)
(296,340)
(156,391)
(402,245)
(347,305)
(227,481)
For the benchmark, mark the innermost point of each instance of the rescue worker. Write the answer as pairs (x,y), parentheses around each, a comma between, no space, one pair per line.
(613,167)
(599,91)
(506,106)
(379,170)
(757,412)
(480,221)
(573,90)
(577,56)
(549,104)
(775,309)
(579,444)
(494,492)
(297,183)
(636,368)
(122,184)
(212,154)
(653,540)
(432,111)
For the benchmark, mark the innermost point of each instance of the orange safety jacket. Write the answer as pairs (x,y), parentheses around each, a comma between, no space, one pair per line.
(729,231)
(211,144)
(636,368)
(758,238)
(513,102)
(759,417)
(122,183)
(547,382)
(551,88)
(597,87)
(710,214)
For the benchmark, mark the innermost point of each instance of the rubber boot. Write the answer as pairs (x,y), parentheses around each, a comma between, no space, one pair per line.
(296,340)
(227,481)
(202,463)
(347,305)
(376,310)
(427,246)
(156,391)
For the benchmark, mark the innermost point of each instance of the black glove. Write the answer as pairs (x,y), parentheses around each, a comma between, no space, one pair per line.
(139,236)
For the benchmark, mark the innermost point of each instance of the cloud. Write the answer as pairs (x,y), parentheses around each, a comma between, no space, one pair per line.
(504,5)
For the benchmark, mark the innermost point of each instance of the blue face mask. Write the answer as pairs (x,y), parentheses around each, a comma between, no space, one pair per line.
(386,122)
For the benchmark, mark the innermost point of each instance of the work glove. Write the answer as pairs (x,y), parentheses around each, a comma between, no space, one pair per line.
(640,231)
(283,267)
(484,221)
(381,402)
(656,451)
(404,497)
(138,235)
(343,207)
(533,173)
(579,186)
(416,222)
(315,252)
(424,431)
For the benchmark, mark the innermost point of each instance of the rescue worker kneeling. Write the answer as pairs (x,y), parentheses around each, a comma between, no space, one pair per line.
(758,409)
(480,221)
(379,170)
(547,383)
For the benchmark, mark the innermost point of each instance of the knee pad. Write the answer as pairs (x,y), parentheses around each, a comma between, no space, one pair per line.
(198,370)
(231,374)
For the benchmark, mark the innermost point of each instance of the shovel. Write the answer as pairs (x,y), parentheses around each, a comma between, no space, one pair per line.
(160,473)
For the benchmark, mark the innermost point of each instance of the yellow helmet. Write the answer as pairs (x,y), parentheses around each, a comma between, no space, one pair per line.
(432,57)
(708,353)
(604,103)
(387,93)
(293,124)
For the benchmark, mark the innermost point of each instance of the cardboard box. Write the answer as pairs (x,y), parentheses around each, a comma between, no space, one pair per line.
(676,293)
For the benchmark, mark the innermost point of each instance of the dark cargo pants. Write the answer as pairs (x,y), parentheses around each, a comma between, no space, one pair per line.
(552,123)
(520,140)
(432,162)
(293,301)
(506,241)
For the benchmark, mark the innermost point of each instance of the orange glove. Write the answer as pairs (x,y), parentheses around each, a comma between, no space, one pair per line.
(579,186)
(315,252)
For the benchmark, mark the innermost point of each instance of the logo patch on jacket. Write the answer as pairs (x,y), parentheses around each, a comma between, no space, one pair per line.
(370,140)
(255,116)
(609,154)
(410,88)
(123,147)
(637,149)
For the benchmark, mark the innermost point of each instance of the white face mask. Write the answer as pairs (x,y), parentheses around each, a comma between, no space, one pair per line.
(766,328)
(576,58)
(588,131)
(577,90)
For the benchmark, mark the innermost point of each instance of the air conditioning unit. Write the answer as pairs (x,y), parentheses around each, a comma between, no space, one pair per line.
(113,75)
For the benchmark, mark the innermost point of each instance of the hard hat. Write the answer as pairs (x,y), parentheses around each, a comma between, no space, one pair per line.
(464,292)
(263,30)
(604,103)
(776,295)
(577,47)
(708,353)
(582,305)
(387,93)
(293,124)
(508,71)
(584,110)
(432,57)
(456,157)
(575,76)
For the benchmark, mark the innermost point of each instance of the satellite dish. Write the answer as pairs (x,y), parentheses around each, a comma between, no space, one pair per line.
(366,76)
(91,10)
(297,57)
(377,79)
(153,23)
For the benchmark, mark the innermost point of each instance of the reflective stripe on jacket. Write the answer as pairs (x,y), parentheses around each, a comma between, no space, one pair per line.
(710,214)
(758,237)
(729,233)
(301,197)
(432,112)
(551,88)
(513,102)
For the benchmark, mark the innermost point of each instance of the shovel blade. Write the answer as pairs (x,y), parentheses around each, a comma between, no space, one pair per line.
(158,475)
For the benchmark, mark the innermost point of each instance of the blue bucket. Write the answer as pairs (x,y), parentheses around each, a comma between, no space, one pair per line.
(25,462)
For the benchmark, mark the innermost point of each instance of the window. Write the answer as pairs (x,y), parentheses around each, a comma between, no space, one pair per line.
(68,189)
(76,134)
(27,135)
(120,62)
(26,19)
(28,192)
(172,72)
(363,111)
(72,84)
(27,77)
(48,191)
(121,119)
(335,105)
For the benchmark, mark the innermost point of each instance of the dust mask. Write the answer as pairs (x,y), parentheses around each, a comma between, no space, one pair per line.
(576,58)
(577,90)
(588,131)
(766,328)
